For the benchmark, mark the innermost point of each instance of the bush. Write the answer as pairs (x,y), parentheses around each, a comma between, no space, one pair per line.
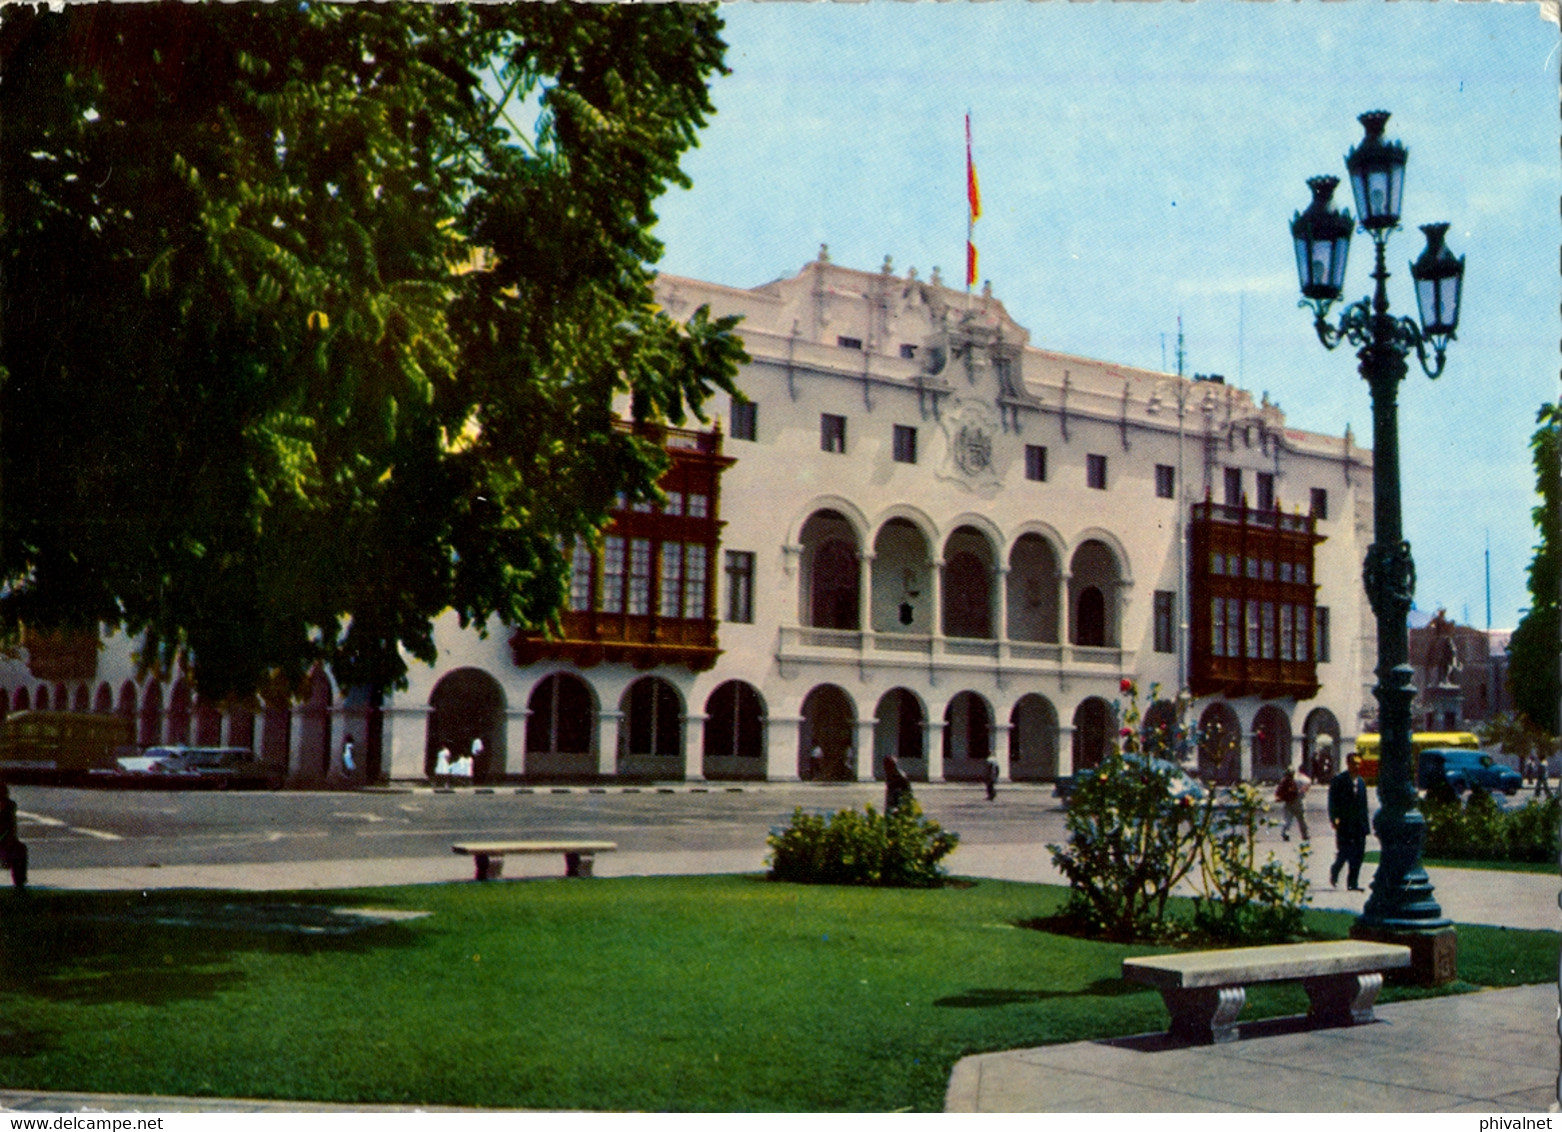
(899,850)
(1479,830)
(1243,901)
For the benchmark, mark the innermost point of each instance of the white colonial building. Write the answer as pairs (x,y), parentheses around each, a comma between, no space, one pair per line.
(920,536)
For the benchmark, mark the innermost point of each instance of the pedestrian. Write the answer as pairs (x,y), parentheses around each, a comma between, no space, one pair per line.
(897,787)
(1348,815)
(13,853)
(461,770)
(1542,786)
(442,768)
(816,762)
(474,757)
(349,765)
(990,777)
(1292,794)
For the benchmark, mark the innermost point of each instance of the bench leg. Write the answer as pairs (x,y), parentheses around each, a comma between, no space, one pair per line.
(489,867)
(1206,1015)
(1342,1000)
(578,864)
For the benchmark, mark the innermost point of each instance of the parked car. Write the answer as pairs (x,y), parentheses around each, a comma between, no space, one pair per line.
(1464,769)
(219,768)
(1181,783)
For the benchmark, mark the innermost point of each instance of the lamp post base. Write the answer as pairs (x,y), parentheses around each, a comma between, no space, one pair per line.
(1433,953)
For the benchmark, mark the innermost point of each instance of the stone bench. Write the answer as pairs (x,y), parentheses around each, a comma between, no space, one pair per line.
(489,855)
(1205,990)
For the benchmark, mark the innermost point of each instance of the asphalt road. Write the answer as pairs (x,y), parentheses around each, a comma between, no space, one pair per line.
(119,828)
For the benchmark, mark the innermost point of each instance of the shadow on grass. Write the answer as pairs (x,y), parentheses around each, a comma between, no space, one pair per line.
(158,948)
(980,997)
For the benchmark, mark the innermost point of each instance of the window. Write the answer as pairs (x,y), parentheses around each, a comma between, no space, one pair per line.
(639,577)
(1321,634)
(846,343)
(905,444)
(907,350)
(580,576)
(832,433)
(740,586)
(1036,463)
(1095,472)
(745,420)
(672,579)
(674,504)
(694,576)
(611,599)
(1320,507)
(1165,627)
(1233,487)
(1266,491)
(699,506)
(1165,481)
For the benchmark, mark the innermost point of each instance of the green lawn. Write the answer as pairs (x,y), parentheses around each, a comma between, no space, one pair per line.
(688,993)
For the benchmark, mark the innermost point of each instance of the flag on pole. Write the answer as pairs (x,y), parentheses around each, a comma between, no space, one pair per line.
(973,195)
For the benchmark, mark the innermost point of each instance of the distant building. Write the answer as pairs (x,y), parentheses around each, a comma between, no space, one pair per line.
(1461,673)
(919,535)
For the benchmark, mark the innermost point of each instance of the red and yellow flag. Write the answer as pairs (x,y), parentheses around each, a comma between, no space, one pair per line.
(973,195)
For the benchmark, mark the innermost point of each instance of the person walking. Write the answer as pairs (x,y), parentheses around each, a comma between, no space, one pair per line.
(349,764)
(1348,815)
(1292,794)
(13,853)
(990,777)
(897,787)
(442,768)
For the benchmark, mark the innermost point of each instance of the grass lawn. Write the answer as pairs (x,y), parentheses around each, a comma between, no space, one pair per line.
(1469,863)
(686,993)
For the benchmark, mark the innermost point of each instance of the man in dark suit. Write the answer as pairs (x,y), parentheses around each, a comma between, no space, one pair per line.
(1348,815)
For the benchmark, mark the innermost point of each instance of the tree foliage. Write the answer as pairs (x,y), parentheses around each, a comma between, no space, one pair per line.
(315,316)
(1535,650)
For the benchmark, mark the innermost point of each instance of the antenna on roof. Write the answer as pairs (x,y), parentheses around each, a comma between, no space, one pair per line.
(1181,356)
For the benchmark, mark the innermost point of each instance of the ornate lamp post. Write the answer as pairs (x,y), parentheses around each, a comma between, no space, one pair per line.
(1401,907)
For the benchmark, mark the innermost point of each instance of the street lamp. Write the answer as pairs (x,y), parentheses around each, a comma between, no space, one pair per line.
(1401,907)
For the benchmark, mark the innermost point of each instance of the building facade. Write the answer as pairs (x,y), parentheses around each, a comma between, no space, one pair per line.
(916,535)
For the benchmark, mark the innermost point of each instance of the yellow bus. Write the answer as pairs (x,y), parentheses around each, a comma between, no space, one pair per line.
(60,746)
(1367,748)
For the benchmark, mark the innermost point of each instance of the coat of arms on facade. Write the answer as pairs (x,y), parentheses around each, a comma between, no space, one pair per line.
(969,427)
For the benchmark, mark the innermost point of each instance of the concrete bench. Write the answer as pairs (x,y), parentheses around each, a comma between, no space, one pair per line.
(1205,990)
(578,855)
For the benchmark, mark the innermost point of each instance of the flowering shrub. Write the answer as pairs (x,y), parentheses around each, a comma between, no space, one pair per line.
(1479,829)
(1134,834)
(900,849)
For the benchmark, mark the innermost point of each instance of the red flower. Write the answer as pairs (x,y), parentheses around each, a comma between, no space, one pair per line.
(1126,687)
(1125,732)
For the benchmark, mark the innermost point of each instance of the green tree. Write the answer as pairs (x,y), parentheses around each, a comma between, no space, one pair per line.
(315,316)
(1535,650)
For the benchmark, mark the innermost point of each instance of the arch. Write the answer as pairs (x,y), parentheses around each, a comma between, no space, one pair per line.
(103,702)
(80,698)
(1113,546)
(127,700)
(1094,574)
(241,724)
(830,723)
(650,737)
(1032,600)
(1158,730)
(968,584)
(208,723)
(1271,743)
(62,697)
(968,737)
(151,732)
(979,525)
(911,516)
(276,728)
(1320,743)
(1033,739)
(21,701)
(1220,744)
(734,744)
(900,729)
(902,579)
(41,698)
(830,582)
(561,729)
(314,732)
(176,724)
(835,506)
(1094,720)
(468,708)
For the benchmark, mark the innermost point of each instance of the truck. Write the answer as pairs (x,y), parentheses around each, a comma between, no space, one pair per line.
(61,748)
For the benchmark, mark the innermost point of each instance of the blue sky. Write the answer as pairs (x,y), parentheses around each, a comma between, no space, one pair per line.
(1141,161)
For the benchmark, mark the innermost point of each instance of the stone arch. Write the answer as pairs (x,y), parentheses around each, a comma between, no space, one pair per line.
(103,702)
(1271,743)
(734,743)
(650,736)
(314,731)
(151,731)
(902,579)
(41,698)
(1220,743)
(1033,739)
(1033,584)
(1094,605)
(969,571)
(830,593)
(80,698)
(830,723)
(561,729)
(20,701)
(467,707)
(968,737)
(1158,730)
(241,724)
(1094,721)
(208,723)
(127,700)
(176,722)
(1319,758)
(900,729)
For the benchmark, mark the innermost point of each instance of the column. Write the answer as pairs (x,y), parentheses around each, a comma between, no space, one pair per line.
(862,748)
(515,740)
(608,723)
(865,596)
(1000,733)
(405,731)
(935,748)
(694,747)
(935,616)
(1065,750)
(1065,614)
(1245,753)
(782,736)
